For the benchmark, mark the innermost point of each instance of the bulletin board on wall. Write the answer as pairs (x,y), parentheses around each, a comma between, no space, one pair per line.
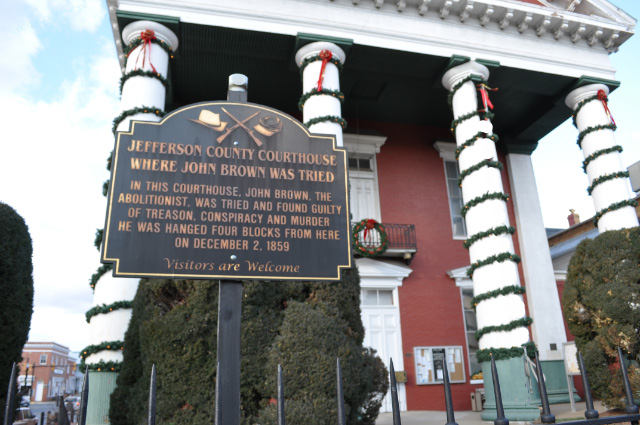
(429,362)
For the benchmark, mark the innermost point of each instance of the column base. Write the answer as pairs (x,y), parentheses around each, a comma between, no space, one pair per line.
(101,385)
(517,399)
(556,382)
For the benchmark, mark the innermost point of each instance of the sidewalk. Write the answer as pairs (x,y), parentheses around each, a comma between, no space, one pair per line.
(562,412)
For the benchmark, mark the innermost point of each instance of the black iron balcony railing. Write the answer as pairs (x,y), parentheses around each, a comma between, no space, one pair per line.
(401,237)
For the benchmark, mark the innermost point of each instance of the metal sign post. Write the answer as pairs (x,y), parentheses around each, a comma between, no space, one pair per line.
(228,373)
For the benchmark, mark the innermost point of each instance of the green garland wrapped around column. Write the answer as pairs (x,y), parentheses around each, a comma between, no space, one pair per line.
(607,177)
(102,270)
(130,112)
(106,308)
(472,140)
(141,73)
(108,345)
(324,92)
(486,163)
(325,118)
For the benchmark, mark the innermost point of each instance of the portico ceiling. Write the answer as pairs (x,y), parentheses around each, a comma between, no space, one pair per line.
(380,84)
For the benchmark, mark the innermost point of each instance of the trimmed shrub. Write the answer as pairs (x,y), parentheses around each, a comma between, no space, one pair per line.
(311,337)
(174,326)
(601,303)
(16,286)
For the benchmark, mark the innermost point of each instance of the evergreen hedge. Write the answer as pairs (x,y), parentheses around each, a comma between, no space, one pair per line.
(174,325)
(601,303)
(16,287)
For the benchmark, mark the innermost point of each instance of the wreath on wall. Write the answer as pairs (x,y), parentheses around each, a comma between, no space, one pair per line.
(366,247)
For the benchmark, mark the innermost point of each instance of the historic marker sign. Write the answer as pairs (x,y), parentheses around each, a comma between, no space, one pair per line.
(227,190)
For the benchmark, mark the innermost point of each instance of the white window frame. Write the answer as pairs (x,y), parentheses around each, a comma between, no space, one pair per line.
(43,357)
(463,281)
(366,146)
(447,151)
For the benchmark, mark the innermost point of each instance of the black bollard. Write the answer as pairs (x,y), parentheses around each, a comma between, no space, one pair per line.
(395,406)
(546,417)
(500,419)
(590,413)
(631,407)
(451,420)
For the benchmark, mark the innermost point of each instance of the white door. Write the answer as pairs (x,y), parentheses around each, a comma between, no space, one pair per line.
(363,196)
(39,390)
(381,320)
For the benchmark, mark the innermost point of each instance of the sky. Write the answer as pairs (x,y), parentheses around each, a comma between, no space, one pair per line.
(59,94)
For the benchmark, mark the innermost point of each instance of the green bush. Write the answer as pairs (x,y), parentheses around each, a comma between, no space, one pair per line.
(174,326)
(601,303)
(16,287)
(312,337)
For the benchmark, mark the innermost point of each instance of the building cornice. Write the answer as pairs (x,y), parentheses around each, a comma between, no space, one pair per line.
(518,34)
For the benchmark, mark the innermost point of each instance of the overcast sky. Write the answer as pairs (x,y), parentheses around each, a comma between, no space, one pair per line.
(59,94)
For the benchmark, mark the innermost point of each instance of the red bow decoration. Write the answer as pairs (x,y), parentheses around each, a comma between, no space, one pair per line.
(602,96)
(482,88)
(371,223)
(147,37)
(326,56)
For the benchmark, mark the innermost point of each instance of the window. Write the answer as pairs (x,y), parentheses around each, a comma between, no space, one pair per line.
(359,164)
(447,152)
(456,203)
(376,297)
(43,359)
(364,200)
(471,327)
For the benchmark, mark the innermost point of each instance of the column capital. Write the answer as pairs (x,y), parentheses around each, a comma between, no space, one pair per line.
(457,73)
(134,29)
(318,46)
(581,93)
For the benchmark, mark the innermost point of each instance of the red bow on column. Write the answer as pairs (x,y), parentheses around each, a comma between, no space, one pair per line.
(326,56)
(482,88)
(602,96)
(147,37)
(371,223)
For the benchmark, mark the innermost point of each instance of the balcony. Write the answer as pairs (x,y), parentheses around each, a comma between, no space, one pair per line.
(401,237)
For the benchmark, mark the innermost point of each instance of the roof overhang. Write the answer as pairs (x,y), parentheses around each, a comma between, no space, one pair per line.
(397,53)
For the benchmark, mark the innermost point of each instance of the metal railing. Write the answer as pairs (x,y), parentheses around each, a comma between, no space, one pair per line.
(400,236)
(591,415)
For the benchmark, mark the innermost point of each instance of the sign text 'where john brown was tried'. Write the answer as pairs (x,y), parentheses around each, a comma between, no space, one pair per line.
(227,190)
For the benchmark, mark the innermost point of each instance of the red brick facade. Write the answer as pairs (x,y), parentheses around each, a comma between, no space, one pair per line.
(51,370)
(412,187)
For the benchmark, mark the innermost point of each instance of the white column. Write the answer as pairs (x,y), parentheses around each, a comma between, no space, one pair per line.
(110,326)
(137,91)
(592,114)
(321,105)
(485,216)
(141,91)
(544,308)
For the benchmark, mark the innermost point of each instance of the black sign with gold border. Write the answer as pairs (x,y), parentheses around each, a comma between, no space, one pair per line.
(227,190)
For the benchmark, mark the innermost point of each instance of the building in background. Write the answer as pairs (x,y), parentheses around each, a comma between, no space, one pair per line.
(435,153)
(49,370)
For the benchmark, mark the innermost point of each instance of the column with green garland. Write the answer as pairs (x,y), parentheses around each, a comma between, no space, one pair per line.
(500,310)
(143,89)
(608,179)
(320,64)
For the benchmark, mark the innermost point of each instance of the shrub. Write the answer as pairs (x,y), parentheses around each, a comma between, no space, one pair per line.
(16,287)
(174,326)
(601,303)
